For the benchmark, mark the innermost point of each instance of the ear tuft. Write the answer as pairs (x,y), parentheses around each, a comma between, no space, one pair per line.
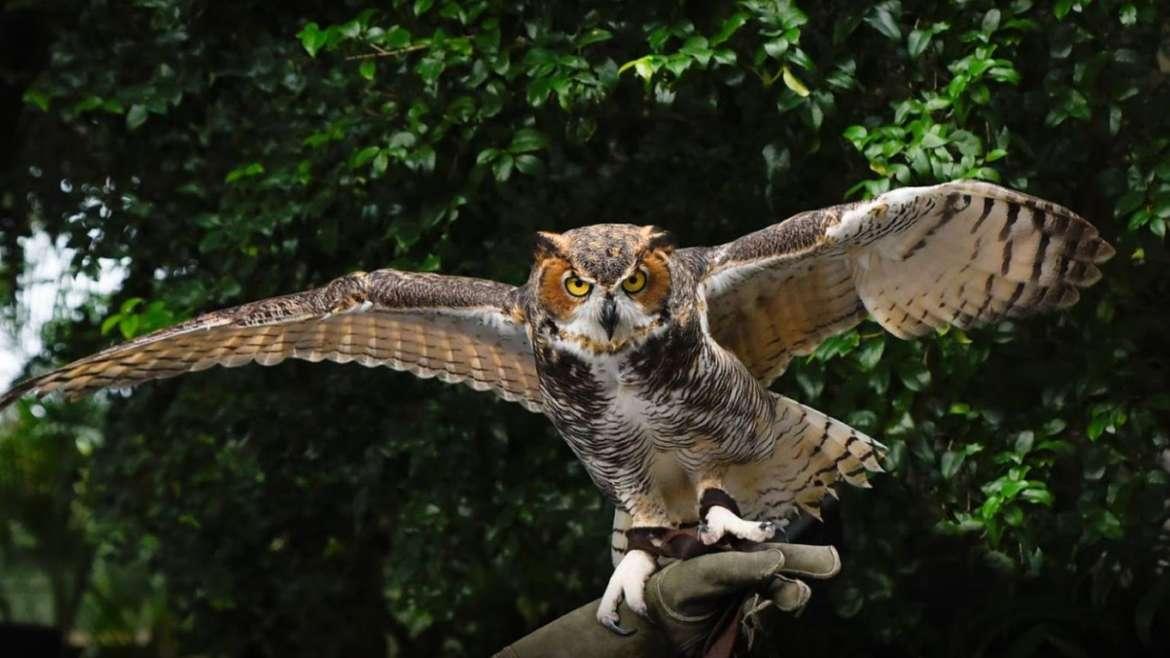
(547,244)
(659,238)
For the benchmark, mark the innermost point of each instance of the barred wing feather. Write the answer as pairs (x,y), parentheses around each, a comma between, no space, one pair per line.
(455,328)
(916,259)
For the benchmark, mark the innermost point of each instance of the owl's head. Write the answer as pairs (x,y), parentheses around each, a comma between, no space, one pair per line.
(605,286)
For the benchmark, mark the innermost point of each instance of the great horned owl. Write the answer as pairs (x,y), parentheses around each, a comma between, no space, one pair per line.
(654,362)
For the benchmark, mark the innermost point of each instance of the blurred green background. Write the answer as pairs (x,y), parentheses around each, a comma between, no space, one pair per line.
(174,156)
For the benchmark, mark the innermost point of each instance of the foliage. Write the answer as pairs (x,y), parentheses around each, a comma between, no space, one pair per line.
(241,150)
(42,530)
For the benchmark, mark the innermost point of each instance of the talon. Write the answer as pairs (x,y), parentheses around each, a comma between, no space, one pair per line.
(627,583)
(707,535)
(768,528)
(614,626)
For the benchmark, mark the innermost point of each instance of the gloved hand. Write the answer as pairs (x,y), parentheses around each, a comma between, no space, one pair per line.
(693,605)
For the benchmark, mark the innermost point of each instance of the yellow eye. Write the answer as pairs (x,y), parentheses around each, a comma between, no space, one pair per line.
(635,282)
(577,287)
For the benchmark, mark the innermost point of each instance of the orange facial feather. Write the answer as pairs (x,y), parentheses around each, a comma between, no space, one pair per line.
(552,288)
(657,291)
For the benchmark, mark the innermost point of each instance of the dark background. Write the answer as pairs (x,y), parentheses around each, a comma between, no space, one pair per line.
(230,151)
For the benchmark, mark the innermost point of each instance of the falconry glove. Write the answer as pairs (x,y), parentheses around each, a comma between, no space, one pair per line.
(693,606)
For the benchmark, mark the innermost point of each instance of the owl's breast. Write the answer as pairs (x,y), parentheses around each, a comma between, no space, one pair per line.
(634,395)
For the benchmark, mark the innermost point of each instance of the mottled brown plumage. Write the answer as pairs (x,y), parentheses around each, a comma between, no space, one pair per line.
(653,363)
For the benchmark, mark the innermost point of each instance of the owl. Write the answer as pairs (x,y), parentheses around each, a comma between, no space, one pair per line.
(654,362)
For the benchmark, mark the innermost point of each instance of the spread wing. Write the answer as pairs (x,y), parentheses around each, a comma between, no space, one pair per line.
(916,259)
(455,328)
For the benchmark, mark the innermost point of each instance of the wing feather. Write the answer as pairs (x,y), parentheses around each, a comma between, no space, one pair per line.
(455,328)
(915,259)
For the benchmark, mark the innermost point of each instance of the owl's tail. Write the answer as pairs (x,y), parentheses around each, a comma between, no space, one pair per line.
(812,452)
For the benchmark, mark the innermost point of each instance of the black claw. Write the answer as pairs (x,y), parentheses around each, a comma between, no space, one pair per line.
(767,525)
(617,628)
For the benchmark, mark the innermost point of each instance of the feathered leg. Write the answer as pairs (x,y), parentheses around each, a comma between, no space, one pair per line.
(628,582)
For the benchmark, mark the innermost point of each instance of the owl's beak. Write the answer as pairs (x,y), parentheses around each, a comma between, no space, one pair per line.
(609,316)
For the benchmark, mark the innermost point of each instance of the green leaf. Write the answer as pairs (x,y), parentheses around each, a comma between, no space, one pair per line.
(592,36)
(726,56)
(1129,202)
(932,140)
(990,21)
(244,171)
(422,6)
(1038,495)
(526,140)
(697,49)
(776,47)
(728,27)
(529,164)
(871,352)
(363,156)
(487,155)
(430,68)
(396,37)
(422,159)
(461,110)
(1128,15)
(917,42)
(37,98)
(88,104)
(855,134)
(128,326)
(811,382)
(645,68)
(402,139)
(381,163)
(794,83)
(431,263)
(951,463)
(678,64)
(843,77)
(1109,525)
(837,346)
(366,69)
(1138,219)
(658,37)
(883,17)
(109,323)
(1024,442)
(312,38)
(914,375)
(502,167)
(136,116)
